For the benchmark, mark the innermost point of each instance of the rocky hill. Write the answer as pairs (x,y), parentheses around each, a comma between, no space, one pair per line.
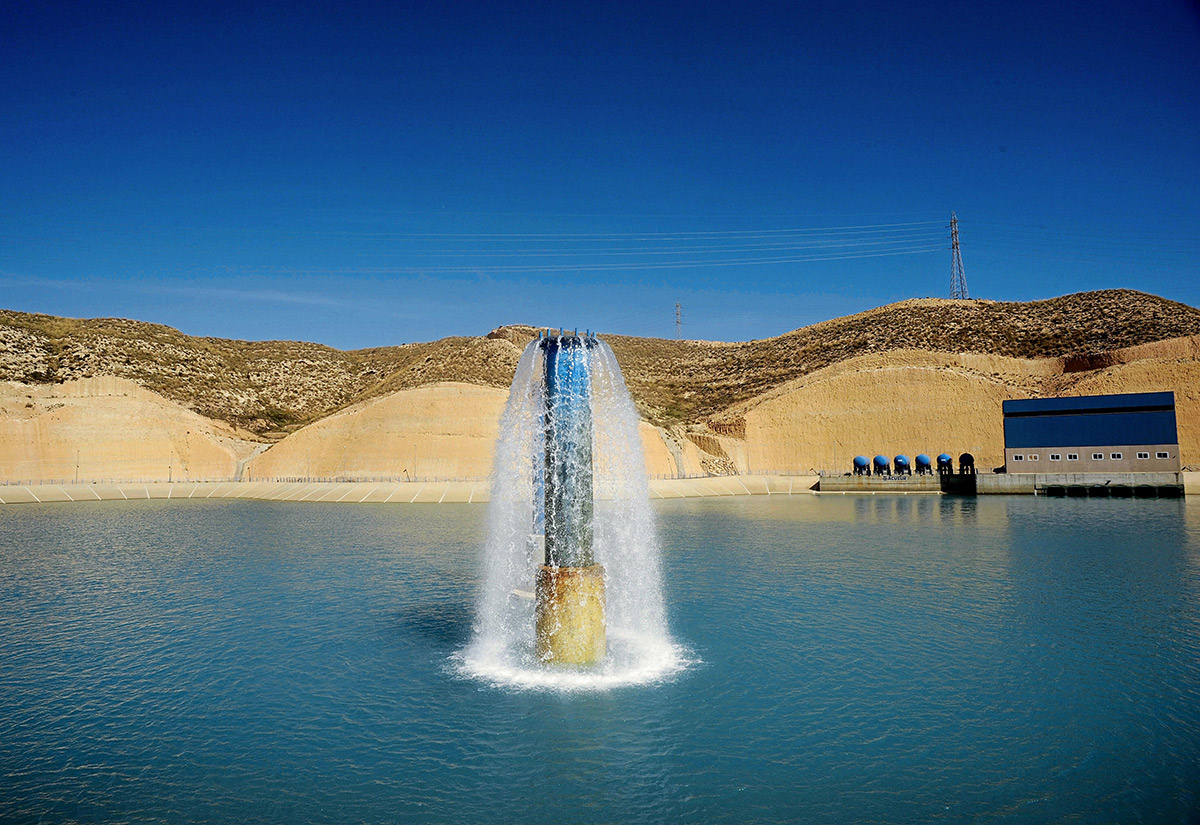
(271,388)
(685,381)
(266,387)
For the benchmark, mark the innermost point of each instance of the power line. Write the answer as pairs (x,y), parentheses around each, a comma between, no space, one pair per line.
(586,267)
(823,244)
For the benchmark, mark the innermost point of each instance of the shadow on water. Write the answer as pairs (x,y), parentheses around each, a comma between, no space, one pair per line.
(444,623)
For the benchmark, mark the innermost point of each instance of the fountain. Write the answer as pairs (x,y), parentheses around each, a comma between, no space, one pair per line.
(570,516)
(569,595)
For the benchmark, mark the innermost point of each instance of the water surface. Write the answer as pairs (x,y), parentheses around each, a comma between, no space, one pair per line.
(862,659)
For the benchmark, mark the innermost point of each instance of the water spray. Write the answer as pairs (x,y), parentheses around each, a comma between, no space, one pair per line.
(569,612)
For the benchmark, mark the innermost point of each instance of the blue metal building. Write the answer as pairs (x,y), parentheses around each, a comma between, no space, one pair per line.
(1132,432)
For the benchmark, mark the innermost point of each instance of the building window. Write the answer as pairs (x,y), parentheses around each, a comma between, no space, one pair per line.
(1072,456)
(1055,457)
(1033,457)
(1143,455)
(1097,456)
(1018,458)
(1162,455)
(1116,456)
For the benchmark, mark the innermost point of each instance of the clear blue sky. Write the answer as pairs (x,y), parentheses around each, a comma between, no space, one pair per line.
(396,172)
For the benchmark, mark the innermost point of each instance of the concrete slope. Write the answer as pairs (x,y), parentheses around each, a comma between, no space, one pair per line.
(446,430)
(911,401)
(896,402)
(440,431)
(1164,365)
(110,428)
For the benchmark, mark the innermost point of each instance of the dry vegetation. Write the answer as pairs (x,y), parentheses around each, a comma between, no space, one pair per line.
(273,387)
(267,387)
(687,381)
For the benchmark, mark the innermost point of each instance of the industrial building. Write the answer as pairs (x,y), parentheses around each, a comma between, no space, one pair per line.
(1126,433)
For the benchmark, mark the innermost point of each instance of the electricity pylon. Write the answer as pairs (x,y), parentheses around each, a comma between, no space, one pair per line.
(958,277)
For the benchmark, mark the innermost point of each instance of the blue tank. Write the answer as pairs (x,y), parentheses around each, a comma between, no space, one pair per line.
(882,468)
(902,465)
(861,465)
(923,464)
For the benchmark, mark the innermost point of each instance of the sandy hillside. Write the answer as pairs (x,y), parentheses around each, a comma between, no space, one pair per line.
(110,428)
(125,399)
(913,402)
(904,401)
(446,430)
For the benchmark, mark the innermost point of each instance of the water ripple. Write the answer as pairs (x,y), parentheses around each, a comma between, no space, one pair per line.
(999,660)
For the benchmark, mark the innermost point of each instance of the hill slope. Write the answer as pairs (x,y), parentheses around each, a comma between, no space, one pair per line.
(687,381)
(272,387)
(266,387)
(918,376)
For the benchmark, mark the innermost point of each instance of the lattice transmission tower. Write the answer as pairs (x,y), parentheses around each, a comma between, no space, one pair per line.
(678,320)
(958,277)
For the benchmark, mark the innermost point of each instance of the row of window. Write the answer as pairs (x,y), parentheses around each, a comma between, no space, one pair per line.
(1095,456)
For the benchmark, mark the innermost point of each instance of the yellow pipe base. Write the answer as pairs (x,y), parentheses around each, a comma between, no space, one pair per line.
(569,615)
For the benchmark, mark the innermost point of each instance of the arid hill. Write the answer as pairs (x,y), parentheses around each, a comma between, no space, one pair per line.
(688,381)
(266,387)
(917,376)
(273,387)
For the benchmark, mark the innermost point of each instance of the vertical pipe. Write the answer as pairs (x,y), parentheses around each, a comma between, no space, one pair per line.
(568,454)
(569,599)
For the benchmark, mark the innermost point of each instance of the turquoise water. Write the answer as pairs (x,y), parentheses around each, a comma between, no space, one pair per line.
(860,659)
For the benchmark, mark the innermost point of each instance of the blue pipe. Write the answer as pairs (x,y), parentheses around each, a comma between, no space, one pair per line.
(568,451)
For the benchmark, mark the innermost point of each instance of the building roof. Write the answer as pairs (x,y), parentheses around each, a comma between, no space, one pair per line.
(1124,402)
(1091,421)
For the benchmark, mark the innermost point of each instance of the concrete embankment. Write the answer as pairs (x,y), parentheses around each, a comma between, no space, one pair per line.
(1041,483)
(898,485)
(362,492)
(446,492)
(1015,484)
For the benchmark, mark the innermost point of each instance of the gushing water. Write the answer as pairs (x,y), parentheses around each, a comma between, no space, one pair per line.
(640,648)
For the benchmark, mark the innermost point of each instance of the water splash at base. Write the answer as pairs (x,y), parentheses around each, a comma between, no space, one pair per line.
(630,661)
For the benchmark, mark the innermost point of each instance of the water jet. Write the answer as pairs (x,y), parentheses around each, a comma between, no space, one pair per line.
(570,515)
(569,591)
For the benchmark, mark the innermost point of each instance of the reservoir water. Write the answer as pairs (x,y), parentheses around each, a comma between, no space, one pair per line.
(852,659)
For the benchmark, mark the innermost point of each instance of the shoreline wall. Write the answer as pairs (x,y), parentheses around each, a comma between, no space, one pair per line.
(444,492)
(362,492)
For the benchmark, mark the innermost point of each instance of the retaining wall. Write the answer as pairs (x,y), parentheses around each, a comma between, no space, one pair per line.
(473,492)
(365,492)
(897,485)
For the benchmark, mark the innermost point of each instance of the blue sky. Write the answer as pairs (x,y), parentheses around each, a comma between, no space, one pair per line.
(383,173)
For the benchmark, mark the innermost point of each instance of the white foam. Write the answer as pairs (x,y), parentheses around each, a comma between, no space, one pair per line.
(630,662)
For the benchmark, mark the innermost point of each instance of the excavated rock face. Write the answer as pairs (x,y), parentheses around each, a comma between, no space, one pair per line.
(514,334)
(274,387)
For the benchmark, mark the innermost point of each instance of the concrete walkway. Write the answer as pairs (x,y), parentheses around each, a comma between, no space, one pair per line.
(366,492)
